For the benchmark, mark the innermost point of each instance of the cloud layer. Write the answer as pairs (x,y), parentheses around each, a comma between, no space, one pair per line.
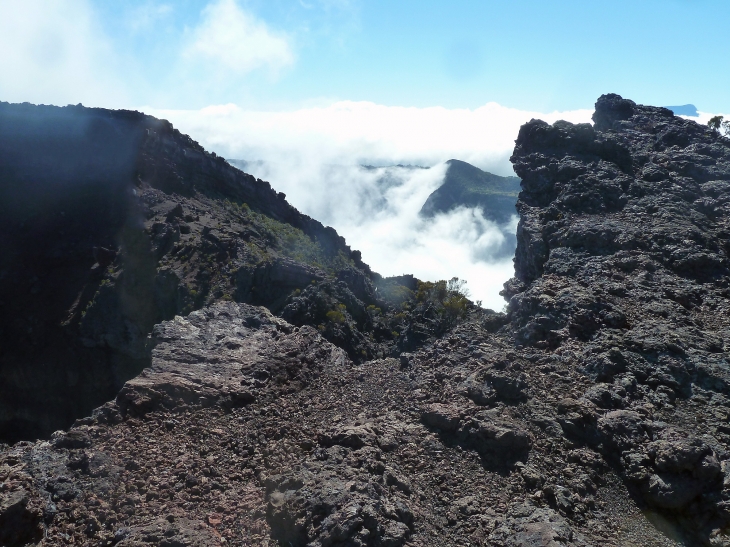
(56,52)
(236,41)
(53,52)
(348,132)
(315,156)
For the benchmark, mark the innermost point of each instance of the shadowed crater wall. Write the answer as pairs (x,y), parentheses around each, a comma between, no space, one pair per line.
(93,205)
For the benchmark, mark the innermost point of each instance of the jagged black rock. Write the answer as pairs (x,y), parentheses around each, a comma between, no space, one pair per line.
(113,221)
(594,412)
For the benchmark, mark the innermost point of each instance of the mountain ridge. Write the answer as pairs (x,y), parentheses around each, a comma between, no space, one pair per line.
(114,221)
(593,412)
(468,186)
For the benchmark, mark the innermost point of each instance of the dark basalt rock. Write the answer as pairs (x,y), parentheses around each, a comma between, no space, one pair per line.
(19,523)
(232,343)
(614,227)
(112,222)
(594,412)
(500,442)
(532,526)
(318,508)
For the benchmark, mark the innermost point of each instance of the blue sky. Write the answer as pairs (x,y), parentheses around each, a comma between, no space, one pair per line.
(525,54)
(314,88)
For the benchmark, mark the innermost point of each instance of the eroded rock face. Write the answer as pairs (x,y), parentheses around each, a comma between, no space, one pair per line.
(114,221)
(235,363)
(21,516)
(227,359)
(595,412)
(500,441)
(622,262)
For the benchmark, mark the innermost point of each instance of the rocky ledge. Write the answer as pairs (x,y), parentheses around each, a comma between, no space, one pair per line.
(595,412)
(114,221)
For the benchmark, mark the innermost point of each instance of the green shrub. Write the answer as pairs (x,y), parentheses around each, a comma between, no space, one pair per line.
(719,125)
(450,298)
(456,307)
(336,316)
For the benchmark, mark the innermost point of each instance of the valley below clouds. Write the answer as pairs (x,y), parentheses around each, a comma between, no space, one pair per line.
(367,169)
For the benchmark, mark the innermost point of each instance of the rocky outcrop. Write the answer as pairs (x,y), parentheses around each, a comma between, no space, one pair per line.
(233,349)
(114,221)
(622,263)
(235,375)
(595,412)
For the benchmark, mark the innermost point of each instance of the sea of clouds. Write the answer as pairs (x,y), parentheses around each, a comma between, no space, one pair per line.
(316,156)
(60,52)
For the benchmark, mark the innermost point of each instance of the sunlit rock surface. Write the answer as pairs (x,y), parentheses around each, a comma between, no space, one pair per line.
(113,221)
(595,412)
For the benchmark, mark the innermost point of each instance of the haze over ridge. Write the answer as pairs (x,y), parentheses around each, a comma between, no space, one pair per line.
(314,155)
(307,85)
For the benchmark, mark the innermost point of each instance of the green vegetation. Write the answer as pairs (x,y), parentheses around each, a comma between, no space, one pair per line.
(449,297)
(719,125)
(338,315)
(374,310)
(289,241)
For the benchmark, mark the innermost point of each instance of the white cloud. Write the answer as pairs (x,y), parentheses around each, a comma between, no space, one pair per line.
(314,156)
(145,16)
(365,132)
(704,117)
(53,52)
(237,41)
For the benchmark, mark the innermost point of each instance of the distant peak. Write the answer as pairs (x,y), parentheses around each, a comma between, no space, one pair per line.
(465,185)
